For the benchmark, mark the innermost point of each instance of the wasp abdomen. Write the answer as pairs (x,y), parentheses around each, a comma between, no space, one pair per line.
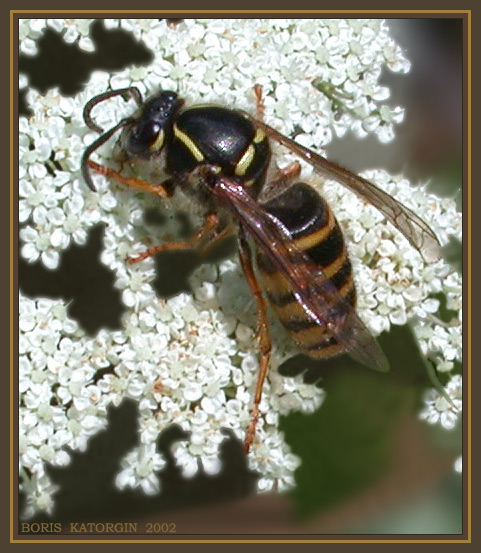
(314,231)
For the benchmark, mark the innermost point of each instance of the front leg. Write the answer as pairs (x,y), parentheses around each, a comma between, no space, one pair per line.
(131,182)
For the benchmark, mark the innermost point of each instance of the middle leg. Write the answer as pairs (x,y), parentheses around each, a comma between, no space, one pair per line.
(210,225)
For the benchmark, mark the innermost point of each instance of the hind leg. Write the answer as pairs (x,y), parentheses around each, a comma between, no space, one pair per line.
(262,334)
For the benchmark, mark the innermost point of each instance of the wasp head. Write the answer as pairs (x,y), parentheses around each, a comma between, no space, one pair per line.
(146,135)
(143,135)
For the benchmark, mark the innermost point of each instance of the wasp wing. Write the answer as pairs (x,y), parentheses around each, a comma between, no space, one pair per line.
(418,233)
(318,297)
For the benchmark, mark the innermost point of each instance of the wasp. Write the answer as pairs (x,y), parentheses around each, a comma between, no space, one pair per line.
(291,248)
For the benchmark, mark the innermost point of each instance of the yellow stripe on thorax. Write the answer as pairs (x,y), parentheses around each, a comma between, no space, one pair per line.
(189,144)
(259,136)
(157,143)
(245,161)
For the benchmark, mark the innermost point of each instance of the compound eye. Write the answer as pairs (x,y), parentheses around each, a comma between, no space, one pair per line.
(145,139)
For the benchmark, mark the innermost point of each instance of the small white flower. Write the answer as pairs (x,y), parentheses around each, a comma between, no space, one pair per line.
(139,469)
(438,410)
(458,465)
(39,493)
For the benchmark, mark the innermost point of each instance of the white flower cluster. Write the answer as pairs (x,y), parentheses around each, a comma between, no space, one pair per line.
(395,286)
(59,401)
(73,30)
(178,359)
(192,360)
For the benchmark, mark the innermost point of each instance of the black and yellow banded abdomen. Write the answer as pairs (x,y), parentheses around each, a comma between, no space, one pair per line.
(315,231)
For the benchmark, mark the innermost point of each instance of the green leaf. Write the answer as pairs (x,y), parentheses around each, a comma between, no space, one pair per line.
(345,445)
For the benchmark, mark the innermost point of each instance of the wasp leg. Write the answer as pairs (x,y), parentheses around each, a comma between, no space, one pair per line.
(136,184)
(211,222)
(264,338)
(228,231)
(286,175)
(260,107)
(282,178)
(293,170)
(280,182)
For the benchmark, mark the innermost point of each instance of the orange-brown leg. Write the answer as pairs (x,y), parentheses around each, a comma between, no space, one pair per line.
(228,231)
(136,184)
(285,176)
(260,107)
(263,335)
(211,222)
(281,181)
